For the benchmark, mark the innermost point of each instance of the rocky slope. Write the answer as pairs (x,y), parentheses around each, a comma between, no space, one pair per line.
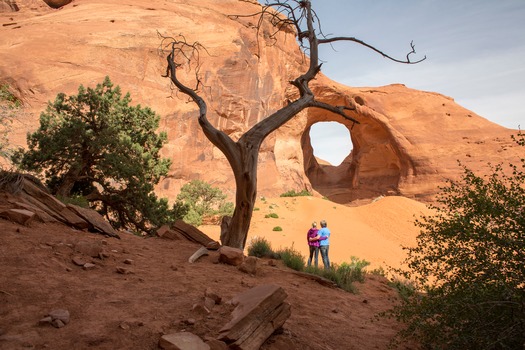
(408,141)
(144,288)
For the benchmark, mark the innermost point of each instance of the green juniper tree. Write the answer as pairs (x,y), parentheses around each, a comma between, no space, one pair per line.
(469,265)
(96,145)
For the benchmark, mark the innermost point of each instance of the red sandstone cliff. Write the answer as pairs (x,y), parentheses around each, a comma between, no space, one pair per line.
(408,141)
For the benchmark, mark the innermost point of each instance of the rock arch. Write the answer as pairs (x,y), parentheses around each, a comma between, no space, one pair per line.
(375,166)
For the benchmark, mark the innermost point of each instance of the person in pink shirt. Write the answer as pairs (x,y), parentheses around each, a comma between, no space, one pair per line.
(313,243)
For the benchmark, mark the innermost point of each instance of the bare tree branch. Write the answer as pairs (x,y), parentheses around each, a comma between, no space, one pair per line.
(361,42)
(181,53)
(293,16)
(339,110)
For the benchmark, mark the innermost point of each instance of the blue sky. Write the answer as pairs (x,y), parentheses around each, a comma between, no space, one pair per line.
(475,54)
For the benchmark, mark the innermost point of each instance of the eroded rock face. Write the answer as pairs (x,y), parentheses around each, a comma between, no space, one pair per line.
(8,6)
(407,141)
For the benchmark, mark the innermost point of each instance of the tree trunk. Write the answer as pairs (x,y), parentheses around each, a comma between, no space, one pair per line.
(243,154)
(69,180)
(245,173)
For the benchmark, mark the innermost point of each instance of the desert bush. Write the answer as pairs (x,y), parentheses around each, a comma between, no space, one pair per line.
(193,217)
(343,275)
(339,277)
(9,106)
(405,288)
(293,193)
(292,258)
(94,144)
(277,228)
(260,247)
(378,271)
(354,271)
(7,96)
(203,201)
(272,215)
(346,274)
(468,265)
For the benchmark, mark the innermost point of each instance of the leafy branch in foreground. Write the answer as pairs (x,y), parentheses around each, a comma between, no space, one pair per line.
(469,265)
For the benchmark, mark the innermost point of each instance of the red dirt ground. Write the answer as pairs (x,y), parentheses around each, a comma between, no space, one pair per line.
(111,310)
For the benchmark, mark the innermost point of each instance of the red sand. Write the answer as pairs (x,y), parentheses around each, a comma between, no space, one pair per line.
(374,232)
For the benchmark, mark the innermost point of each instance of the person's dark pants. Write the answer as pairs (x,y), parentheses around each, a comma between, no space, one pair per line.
(324,256)
(313,250)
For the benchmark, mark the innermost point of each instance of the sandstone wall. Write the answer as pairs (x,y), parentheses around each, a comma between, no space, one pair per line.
(407,143)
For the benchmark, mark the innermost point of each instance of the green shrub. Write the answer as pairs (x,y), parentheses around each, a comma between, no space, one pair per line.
(468,265)
(8,97)
(339,277)
(379,271)
(226,209)
(277,228)
(406,289)
(256,209)
(9,108)
(204,201)
(292,258)
(260,247)
(292,193)
(355,270)
(193,217)
(346,274)
(271,215)
(343,275)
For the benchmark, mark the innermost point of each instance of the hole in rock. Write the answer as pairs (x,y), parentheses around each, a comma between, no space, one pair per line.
(365,163)
(331,142)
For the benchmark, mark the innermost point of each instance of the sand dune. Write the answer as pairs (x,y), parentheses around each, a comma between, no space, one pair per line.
(374,232)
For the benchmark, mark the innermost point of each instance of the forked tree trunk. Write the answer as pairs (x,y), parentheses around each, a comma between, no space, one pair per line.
(243,154)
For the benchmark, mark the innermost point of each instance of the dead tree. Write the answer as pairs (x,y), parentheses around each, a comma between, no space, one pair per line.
(243,154)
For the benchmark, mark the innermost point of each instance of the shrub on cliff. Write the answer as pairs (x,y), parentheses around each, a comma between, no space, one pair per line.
(9,106)
(468,263)
(96,145)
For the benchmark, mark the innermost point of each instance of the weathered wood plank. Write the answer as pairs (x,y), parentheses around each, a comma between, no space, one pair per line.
(258,313)
(266,328)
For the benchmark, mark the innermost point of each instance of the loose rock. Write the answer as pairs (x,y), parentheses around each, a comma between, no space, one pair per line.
(182,341)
